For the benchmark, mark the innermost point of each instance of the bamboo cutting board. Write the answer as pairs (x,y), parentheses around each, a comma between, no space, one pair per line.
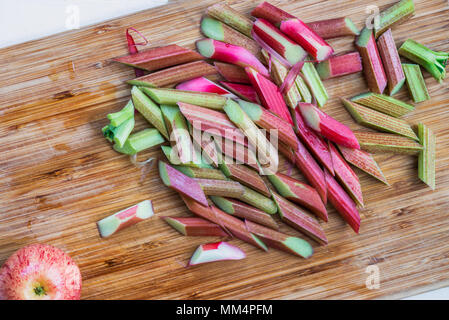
(58,175)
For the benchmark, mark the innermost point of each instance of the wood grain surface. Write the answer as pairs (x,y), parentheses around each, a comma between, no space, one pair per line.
(58,175)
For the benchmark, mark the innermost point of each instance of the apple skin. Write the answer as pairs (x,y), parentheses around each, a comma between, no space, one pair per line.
(36,267)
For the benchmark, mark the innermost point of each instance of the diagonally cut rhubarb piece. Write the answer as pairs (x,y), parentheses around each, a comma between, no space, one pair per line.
(178,181)
(229,53)
(125,218)
(383,103)
(426,160)
(337,66)
(327,126)
(195,227)
(303,89)
(258,200)
(217,30)
(314,142)
(364,161)
(314,83)
(202,84)
(346,176)
(372,65)
(334,28)
(201,173)
(394,15)
(159,57)
(281,241)
(243,91)
(343,203)
(219,251)
(378,120)
(231,73)
(269,94)
(242,210)
(391,62)
(415,82)
(300,193)
(238,152)
(377,142)
(222,188)
(231,17)
(299,219)
(140,141)
(197,162)
(206,145)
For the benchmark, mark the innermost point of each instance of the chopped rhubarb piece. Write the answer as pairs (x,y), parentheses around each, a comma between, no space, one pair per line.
(201,173)
(219,251)
(229,53)
(197,162)
(231,17)
(383,103)
(195,227)
(338,66)
(334,28)
(243,91)
(231,73)
(258,200)
(342,202)
(327,126)
(364,161)
(314,83)
(238,152)
(202,84)
(245,176)
(372,65)
(426,160)
(415,82)
(391,62)
(159,57)
(117,118)
(242,210)
(346,176)
(300,193)
(269,94)
(125,218)
(281,241)
(140,141)
(300,219)
(384,142)
(178,181)
(222,188)
(396,14)
(119,134)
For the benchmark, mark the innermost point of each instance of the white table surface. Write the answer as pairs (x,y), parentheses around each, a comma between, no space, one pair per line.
(25,20)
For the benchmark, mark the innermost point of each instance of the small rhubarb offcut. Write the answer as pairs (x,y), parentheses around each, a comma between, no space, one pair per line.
(391,62)
(281,241)
(195,227)
(140,141)
(334,28)
(396,14)
(125,218)
(202,84)
(231,17)
(245,175)
(338,66)
(426,160)
(231,73)
(229,53)
(314,83)
(328,127)
(415,82)
(376,142)
(219,251)
(383,103)
(243,91)
(378,120)
(372,65)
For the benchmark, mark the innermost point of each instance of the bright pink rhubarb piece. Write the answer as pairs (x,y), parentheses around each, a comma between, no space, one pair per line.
(328,127)
(218,251)
(244,91)
(202,84)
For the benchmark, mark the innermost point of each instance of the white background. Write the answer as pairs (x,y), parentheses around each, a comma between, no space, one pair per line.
(24,20)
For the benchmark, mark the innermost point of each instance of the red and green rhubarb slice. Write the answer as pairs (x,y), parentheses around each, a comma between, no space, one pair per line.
(202,84)
(377,142)
(219,251)
(426,160)
(231,73)
(334,28)
(140,141)
(195,227)
(337,66)
(222,188)
(243,91)
(314,84)
(201,173)
(197,162)
(238,152)
(391,62)
(383,103)
(231,17)
(258,200)
(125,218)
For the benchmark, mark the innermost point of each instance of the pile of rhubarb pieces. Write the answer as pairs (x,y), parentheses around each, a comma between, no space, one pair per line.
(254,89)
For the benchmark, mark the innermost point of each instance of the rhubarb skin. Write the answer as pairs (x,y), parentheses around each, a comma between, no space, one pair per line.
(269,94)
(346,176)
(159,57)
(343,203)
(372,65)
(391,62)
(338,66)
(327,126)
(232,73)
(202,84)
(243,91)
(300,219)
(334,28)
(383,103)
(300,193)
(314,142)
(245,176)
(426,160)
(229,53)
(195,227)
(384,142)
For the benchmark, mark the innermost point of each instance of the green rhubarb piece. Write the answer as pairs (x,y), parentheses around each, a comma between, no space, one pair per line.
(231,17)
(281,186)
(300,246)
(316,86)
(303,89)
(173,96)
(433,61)
(223,203)
(117,118)
(172,157)
(415,82)
(378,120)
(258,200)
(139,141)
(201,173)
(383,103)
(426,159)
(149,110)
(385,142)
(119,134)
(212,28)
(395,14)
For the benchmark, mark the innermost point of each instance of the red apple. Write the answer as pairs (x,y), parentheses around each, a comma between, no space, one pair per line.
(40,272)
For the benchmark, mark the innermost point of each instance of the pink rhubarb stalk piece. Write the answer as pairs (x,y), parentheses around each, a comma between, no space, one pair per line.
(327,126)
(334,28)
(231,73)
(181,183)
(295,29)
(218,251)
(314,142)
(238,152)
(269,94)
(192,226)
(338,66)
(229,53)
(243,91)
(346,176)
(125,218)
(202,84)
(391,62)
(342,202)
